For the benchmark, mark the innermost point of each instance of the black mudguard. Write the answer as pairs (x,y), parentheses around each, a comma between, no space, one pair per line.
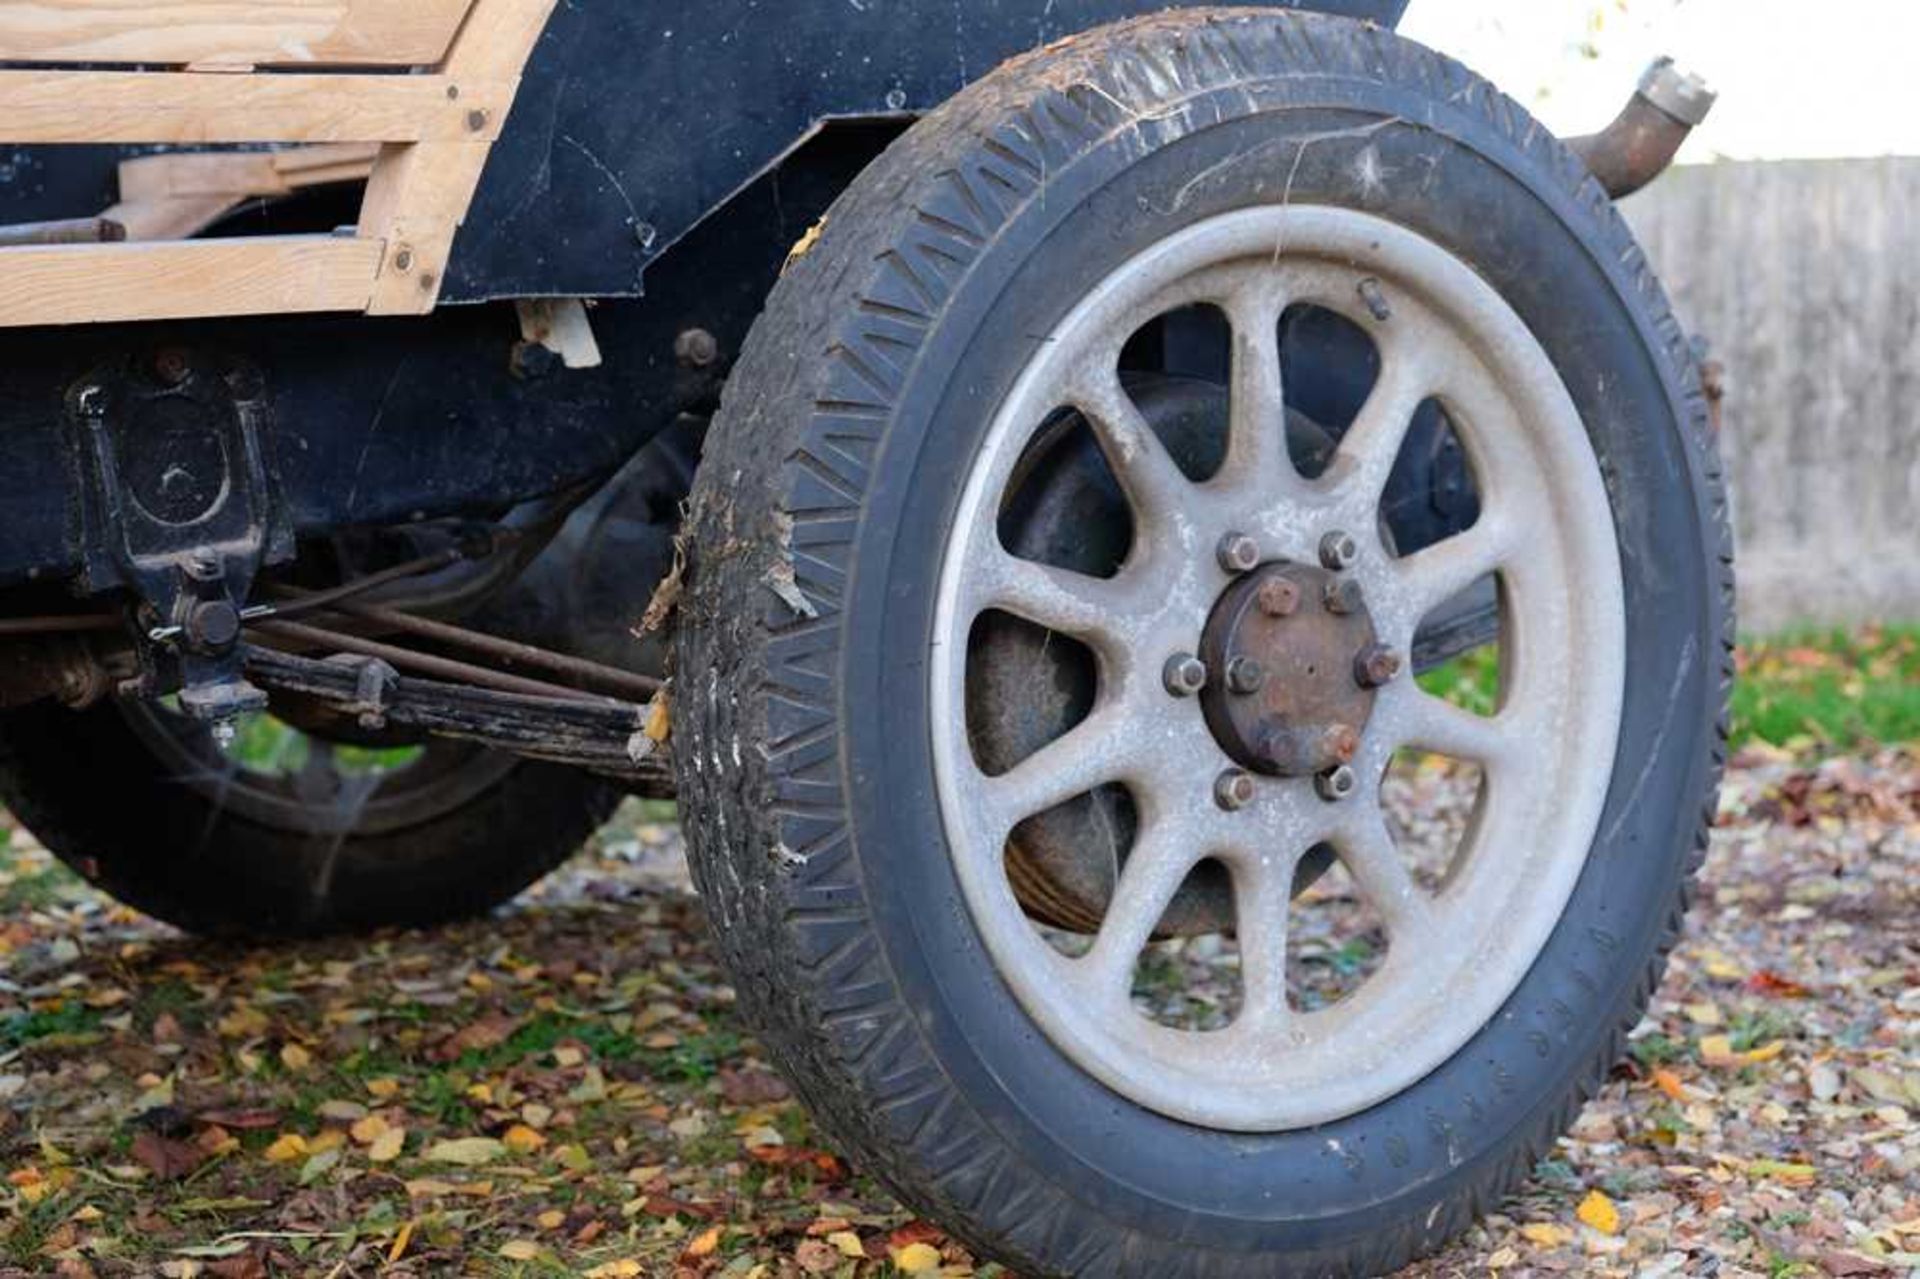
(636,120)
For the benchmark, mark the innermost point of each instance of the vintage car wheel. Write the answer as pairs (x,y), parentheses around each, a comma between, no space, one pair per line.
(287,833)
(861,783)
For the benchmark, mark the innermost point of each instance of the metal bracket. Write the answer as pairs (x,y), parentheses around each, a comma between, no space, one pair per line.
(181,506)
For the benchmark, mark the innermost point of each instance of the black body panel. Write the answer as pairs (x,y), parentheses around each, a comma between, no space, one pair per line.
(636,120)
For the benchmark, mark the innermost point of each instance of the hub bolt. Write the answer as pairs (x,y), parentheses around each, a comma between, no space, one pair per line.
(1244,676)
(1184,674)
(1233,789)
(1239,553)
(1336,784)
(1338,551)
(1375,665)
(1344,597)
(1278,597)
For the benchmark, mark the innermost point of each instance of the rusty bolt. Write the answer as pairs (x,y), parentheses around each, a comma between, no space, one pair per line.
(1233,790)
(1336,784)
(1244,676)
(170,366)
(1376,299)
(476,120)
(1239,553)
(1278,597)
(1184,675)
(696,348)
(1338,551)
(1375,665)
(403,261)
(1344,597)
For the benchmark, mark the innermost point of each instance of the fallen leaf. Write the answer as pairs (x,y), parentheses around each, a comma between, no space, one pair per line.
(1545,1234)
(286,1148)
(165,1157)
(849,1244)
(1598,1211)
(468,1152)
(704,1244)
(400,1242)
(916,1258)
(625,1268)
(1669,1083)
(1773,985)
(817,1257)
(295,1058)
(387,1146)
(489,1032)
(522,1140)
(520,1250)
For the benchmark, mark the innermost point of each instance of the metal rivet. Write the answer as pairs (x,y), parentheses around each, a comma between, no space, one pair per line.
(403,260)
(1244,676)
(1239,553)
(1233,790)
(696,348)
(1336,784)
(1184,675)
(1338,551)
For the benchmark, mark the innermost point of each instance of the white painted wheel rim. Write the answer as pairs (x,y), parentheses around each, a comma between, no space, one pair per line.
(1547,755)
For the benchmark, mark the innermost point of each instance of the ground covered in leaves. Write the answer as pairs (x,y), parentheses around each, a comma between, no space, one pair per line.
(566,1090)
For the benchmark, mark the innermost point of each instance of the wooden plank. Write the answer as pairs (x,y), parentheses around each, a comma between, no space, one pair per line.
(243,32)
(176,174)
(104,283)
(187,108)
(419,193)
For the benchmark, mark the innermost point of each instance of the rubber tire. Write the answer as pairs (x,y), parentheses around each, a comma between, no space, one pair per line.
(819,519)
(103,802)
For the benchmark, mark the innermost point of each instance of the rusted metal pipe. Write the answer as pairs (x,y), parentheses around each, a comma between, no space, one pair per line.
(1643,139)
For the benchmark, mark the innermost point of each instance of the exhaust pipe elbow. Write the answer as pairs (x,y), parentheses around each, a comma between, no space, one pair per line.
(1643,139)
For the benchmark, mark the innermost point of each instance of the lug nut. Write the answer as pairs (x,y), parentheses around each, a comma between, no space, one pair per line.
(1239,553)
(1375,665)
(1278,597)
(1344,596)
(1338,551)
(1233,789)
(1184,674)
(1244,675)
(1336,784)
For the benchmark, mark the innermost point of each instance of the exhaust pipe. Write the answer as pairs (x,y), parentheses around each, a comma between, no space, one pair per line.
(1643,139)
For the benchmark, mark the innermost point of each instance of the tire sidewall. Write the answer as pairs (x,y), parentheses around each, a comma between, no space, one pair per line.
(1468,186)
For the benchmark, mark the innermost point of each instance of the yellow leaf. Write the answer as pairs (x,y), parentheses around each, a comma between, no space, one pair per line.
(400,1242)
(1545,1234)
(387,1146)
(467,1151)
(242,1023)
(567,1056)
(386,1089)
(659,721)
(551,1219)
(522,1140)
(625,1268)
(916,1258)
(849,1244)
(286,1148)
(1598,1211)
(1766,1052)
(369,1130)
(520,1250)
(1800,1174)
(295,1058)
(705,1244)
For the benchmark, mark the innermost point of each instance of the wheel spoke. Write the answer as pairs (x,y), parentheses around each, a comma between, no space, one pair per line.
(1430,577)
(1156,866)
(1257,432)
(1059,599)
(1090,754)
(1153,483)
(1262,902)
(1367,850)
(1372,444)
(1430,723)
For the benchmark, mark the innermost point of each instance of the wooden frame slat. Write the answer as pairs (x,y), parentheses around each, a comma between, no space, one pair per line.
(230,32)
(190,108)
(106,283)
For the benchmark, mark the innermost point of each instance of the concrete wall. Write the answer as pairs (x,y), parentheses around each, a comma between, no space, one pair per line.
(1805,277)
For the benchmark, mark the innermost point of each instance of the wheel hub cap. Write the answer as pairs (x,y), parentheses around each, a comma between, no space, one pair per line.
(1284,644)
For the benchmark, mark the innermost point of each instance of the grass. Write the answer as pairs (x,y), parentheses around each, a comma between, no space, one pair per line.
(1824,689)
